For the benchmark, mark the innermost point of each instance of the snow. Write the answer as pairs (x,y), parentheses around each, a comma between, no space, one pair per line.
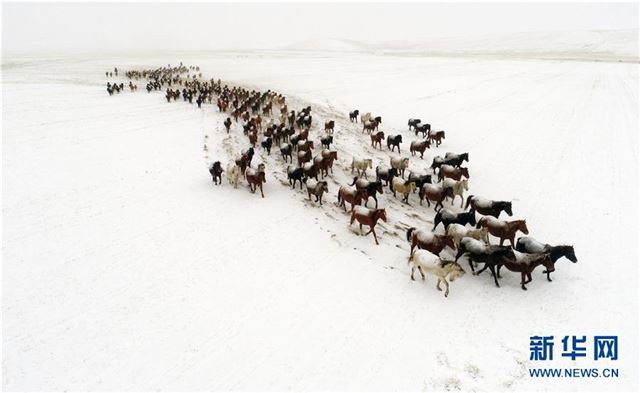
(125,268)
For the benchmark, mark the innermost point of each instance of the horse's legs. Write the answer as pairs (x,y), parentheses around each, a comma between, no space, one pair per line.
(502,239)
(360,229)
(413,269)
(446,283)
(528,278)
(548,275)
(421,272)
(522,280)
(374,235)
(438,284)
(493,272)
(511,240)
(486,265)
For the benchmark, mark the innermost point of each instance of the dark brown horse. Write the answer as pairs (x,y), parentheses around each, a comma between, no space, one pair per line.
(420,147)
(452,172)
(255,178)
(429,241)
(317,189)
(503,229)
(216,172)
(525,264)
(376,139)
(368,217)
(329,125)
(436,137)
(434,193)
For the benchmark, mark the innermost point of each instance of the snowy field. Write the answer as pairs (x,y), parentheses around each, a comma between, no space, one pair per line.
(125,268)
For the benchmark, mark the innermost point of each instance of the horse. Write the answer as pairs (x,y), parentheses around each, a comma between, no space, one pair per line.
(530,245)
(419,146)
(266,144)
(454,159)
(233,174)
(353,116)
(420,180)
(413,123)
(423,128)
(216,172)
(457,188)
(452,172)
(245,159)
(361,164)
(370,126)
(488,207)
(255,178)
(253,138)
(503,229)
(326,141)
(304,145)
(310,170)
(294,175)
(365,117)
(386,174)
(369,217)
(491,256)
(329,157)
(353,196)
(436,163)
(429,241)
(304,156)
(447,217)
(400,164)
(329,125)
(436,137)
(459,231)
(227,124)
(403,187)
(434,193)
(525,264)
(372,188)
(395,141)
(285,149)
(317,189)
(426,262)
(376,139)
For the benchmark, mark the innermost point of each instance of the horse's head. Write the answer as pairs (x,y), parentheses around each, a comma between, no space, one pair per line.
(465,184)
(453,269)
(465,172)
(369,162)
(411,184)
(381,214)
(324,187)
(481,223)
(398,138)
(448,242)
(569,253)
(522,225)
(378,186)
(471,216)
(507,208)
(404,162)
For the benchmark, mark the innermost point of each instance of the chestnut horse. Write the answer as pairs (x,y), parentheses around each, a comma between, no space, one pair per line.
(452,172)
(369,217)
(503,229)
(353,196)
(376,139)
(255,178)
(429,241)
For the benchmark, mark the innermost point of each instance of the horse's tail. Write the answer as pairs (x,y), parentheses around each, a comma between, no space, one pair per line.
(355,179)
(339,197)
(468,202)
(391,184)
(409,232)
(437,220)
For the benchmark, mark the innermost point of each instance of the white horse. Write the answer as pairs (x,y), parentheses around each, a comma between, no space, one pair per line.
(426,262)
(366,117)
(458,231)
(361,164)
(233,174)
(400,163)
(457,187)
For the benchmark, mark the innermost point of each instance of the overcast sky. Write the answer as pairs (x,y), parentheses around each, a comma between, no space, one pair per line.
(112,27)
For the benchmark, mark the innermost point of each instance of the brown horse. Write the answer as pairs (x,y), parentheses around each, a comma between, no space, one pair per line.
(429,241)
(331,156)
(376,139)
(304,156)
(452,172)
(436,137)
(317,189)
(503,229)
(434,193)
(329,125)
(369,217)
(353,196)
(525,264)
(419,146)
(245,159)
(255,178)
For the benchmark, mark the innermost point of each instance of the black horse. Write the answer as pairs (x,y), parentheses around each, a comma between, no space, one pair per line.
(327,140)
(437,163)
(447,217)
(266,144)
(413,123)
(488,207)
(386,174)
(530,245)
(420,180)
(286,149)
(492,257)
(353,115)
(227,124)
(395,141)
(371,188)
(295,175)
(216,172)
(455,159)
(423,128)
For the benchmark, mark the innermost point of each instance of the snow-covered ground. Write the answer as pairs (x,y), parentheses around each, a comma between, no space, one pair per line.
(125,268)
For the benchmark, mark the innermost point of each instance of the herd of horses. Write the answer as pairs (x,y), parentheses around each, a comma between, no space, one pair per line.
(266,120)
